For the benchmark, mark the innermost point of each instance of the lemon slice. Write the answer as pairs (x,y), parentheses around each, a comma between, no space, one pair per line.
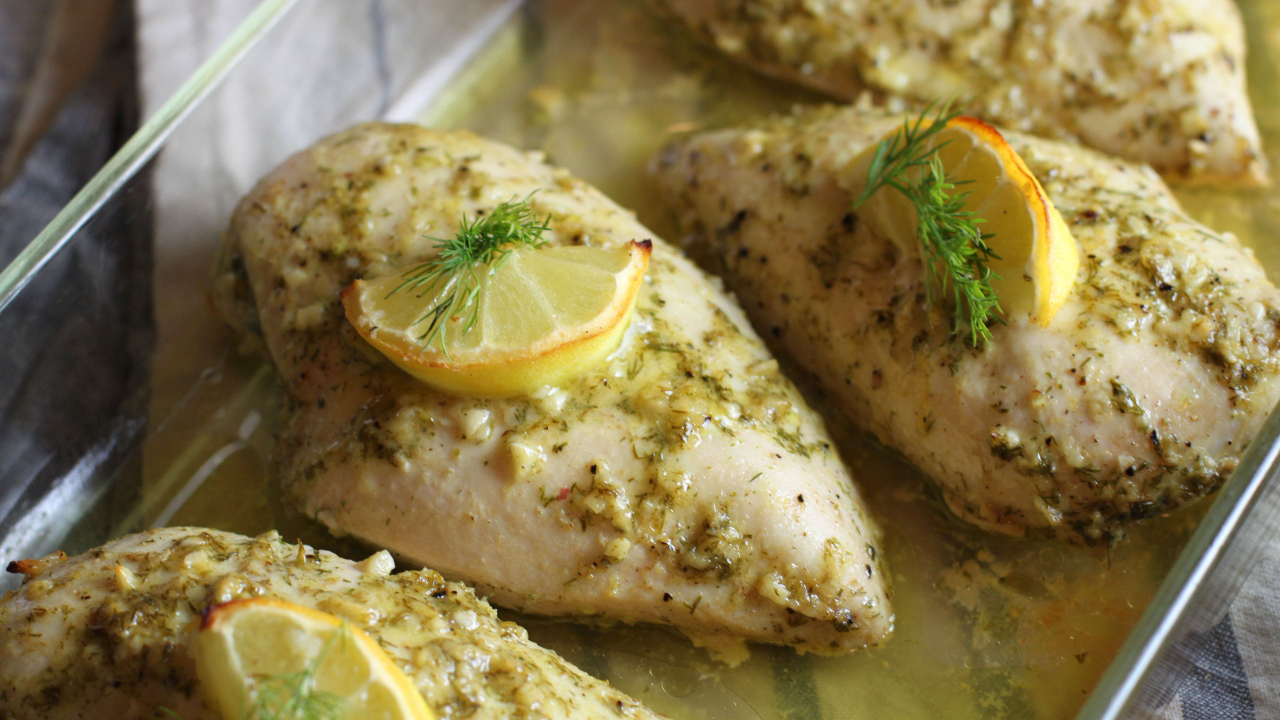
(252,655)
(1038,258)
(545,315)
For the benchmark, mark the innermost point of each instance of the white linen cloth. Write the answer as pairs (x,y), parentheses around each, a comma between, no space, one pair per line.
(263,112)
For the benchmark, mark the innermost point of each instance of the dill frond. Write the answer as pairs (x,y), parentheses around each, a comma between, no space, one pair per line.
(955,251)
(294,696)
(453,278)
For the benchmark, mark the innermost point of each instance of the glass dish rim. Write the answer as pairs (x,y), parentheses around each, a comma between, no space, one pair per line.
(139,149)
(1221,534)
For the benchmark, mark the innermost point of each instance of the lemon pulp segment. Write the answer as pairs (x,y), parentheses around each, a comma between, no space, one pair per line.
(245,645)
(545,315)
(1038,257)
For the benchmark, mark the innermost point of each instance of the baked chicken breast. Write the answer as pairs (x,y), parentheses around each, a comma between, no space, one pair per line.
(1156,81)
(1139,397)
(108,634)
(682,482)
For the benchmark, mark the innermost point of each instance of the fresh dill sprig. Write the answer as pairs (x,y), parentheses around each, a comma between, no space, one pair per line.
(453,277)
(294,696)
(955,251)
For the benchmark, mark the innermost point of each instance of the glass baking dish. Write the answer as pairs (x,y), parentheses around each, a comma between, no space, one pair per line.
(137,411)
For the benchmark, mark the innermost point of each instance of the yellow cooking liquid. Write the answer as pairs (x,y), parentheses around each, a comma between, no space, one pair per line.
(986,626)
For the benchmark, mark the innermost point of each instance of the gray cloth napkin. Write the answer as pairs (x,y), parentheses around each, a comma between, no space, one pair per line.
(1233,671)
(251,124)
(75,344)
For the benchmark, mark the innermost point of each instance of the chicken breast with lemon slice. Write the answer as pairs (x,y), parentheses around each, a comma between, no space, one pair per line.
(681,481)
(109,634)
(1159,81)
(1138,396)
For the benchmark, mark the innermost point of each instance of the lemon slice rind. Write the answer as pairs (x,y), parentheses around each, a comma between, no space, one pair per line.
(1037,269)
(241,642)
(547,349)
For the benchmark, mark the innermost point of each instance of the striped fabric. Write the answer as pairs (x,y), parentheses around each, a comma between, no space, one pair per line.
(1233,672)
(1214,682)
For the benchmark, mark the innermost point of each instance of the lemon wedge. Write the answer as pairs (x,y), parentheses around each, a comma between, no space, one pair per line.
(252,657)
(1038,257)
(545,315)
